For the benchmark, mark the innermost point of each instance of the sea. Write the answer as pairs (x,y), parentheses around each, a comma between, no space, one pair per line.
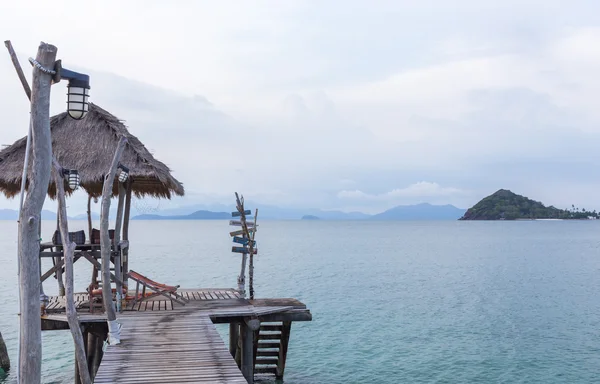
(392,302)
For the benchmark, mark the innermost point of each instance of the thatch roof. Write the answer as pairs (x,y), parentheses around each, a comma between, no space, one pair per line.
(88,145)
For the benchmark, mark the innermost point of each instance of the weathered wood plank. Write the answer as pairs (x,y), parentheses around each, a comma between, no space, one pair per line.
(174,346)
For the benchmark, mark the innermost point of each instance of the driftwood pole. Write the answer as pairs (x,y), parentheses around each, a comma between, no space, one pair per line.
(126,232)
(89,215)
(4,360)
(69,250)
(117,241)
(105,246)
(30,354)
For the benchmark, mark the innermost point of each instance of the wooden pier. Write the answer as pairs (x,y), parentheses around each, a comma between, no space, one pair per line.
(164,342)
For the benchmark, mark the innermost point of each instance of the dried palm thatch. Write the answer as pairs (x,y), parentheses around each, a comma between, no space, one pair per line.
(88,146)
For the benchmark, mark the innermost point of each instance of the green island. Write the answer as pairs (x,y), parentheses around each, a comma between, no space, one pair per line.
(506,205)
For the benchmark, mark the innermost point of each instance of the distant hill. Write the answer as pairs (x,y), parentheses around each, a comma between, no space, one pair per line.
(310,217)
(506,205)
(424,211)
(12,214)
(83,216)
(198,215)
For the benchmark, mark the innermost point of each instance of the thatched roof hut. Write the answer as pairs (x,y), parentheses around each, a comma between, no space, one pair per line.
(88,145)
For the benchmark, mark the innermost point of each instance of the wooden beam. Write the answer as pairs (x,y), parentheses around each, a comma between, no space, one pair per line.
(105,244)
(30,354)
(126,232)
(118,225)
(81,367)
(247,352)
(17,65)
(89,217)
(234,335)
(285,339)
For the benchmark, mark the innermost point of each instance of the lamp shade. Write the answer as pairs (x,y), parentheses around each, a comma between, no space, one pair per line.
(77,101)
(123,175)
(72,177)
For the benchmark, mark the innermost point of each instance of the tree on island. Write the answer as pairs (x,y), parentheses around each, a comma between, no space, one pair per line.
(506,205)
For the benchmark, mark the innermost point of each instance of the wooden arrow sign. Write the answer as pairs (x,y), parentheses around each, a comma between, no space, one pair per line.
(241,240)
(237,213)
(239,223)
(240,232)
(243,250)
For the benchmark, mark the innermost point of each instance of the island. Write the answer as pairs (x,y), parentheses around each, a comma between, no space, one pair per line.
(507,205)
(310,217)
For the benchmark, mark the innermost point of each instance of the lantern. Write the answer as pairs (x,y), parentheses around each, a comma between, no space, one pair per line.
(124,173)
(72,177)
(78,90)
(77,99)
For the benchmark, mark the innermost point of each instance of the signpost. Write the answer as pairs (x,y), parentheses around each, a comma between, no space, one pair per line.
(245,237)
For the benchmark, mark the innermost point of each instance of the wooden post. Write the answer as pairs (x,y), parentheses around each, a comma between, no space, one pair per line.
(69,250)
(98,352)
(30,356)
(89,217)
(4,360)
(59,275)
(234,335)
(105,244)
(283,347)
(127,212)
(117,241)
(247,352)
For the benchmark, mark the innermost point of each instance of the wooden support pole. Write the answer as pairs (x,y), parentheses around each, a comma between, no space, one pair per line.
(17,65)
(247,352)
(4,360)
(234,335)
(97,358)
(89,216)
(59,275)
(81,368)
(30,354)
(127,212)
(105,244)
(283,347)
(118,225)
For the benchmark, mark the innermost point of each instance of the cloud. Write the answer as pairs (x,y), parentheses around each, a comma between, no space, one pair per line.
(270,99)
(422,189)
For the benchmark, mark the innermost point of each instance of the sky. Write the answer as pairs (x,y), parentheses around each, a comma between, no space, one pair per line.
(355,105)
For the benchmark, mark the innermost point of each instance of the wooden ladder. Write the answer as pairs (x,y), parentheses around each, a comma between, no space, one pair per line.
(271,348)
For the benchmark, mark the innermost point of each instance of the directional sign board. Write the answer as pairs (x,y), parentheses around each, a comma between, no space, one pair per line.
(239,223)
(240,232)
(237,213)
(243,250)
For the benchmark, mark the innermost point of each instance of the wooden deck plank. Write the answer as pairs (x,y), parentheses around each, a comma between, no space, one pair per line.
(168,347)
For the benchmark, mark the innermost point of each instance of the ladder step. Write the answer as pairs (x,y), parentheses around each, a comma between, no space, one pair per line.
(271,327)
(268,345)
(267,353)
(263,336)
(271,370)
(266,361)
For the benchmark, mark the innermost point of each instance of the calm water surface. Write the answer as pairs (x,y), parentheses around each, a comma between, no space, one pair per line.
(427,302)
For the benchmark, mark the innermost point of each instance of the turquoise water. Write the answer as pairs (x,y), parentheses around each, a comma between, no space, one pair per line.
(426,302)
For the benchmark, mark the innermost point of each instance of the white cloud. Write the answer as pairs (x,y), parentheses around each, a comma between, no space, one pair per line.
(422,189)
(269,98)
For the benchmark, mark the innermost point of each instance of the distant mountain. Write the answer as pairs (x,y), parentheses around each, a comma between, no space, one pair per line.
(268,212)
(424,211)
(310,217)
(83,216)
(8,214)
(198,215)
(11,214)
(507,205)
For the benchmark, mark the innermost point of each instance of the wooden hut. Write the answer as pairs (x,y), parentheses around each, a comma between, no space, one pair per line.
(88,146)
